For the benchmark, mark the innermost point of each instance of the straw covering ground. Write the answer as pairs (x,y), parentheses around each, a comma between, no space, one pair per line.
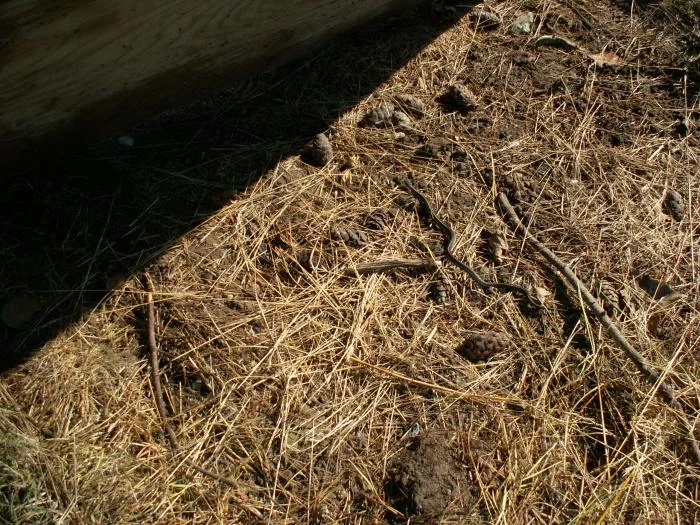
(327,394)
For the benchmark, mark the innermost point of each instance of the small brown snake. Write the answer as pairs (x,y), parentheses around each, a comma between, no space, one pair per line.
(450,239)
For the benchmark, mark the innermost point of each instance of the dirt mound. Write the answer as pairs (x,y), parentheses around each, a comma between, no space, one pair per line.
(425,479)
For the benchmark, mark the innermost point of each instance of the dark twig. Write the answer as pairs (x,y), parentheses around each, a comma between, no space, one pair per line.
(160,404)
(654,377)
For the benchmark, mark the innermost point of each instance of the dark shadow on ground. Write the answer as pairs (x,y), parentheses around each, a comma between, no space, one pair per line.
(96,213)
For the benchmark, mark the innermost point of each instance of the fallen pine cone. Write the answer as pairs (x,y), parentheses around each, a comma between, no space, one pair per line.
(401,120)
(308,259)
(318,152)
(485,20)
(520,189)
(674,205)
(379,116)
(608,295)
(667,320)
(626,304)
(263,255)
(460,98)
(482,346)
(350,237)
(379,219)
(496,246)
(438,289)
(433,147)
(411,104)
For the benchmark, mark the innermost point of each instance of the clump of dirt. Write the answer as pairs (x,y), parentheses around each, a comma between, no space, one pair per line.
(424,480)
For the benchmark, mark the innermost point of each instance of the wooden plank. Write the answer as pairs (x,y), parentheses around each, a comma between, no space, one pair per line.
(76,67)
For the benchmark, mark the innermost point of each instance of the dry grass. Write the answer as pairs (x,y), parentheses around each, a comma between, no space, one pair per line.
(300,385)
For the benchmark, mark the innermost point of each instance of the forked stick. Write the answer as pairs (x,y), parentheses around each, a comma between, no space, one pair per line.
(639,360)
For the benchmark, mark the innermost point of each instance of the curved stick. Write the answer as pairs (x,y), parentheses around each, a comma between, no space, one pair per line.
(638,359)
(160,404)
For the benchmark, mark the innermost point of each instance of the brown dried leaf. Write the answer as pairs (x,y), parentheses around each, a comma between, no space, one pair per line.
(606,58)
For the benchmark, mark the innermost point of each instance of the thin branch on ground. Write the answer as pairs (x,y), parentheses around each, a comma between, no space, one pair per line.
(654,377)
(160,404)
(392,265)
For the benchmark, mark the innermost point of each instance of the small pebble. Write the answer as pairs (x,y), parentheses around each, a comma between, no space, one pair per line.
(126,141)
(522,24)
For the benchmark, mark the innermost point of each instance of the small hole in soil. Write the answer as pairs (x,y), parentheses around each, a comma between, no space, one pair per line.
(400,497)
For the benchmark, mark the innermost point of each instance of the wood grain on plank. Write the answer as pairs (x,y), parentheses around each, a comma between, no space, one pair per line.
(71,66)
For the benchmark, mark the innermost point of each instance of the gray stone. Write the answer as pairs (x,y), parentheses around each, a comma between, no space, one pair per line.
(523,24)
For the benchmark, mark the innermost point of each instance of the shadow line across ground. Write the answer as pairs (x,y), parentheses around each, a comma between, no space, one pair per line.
(79,222)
